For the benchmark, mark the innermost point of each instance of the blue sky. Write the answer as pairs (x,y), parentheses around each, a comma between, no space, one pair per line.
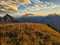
(38,7)
(53,7)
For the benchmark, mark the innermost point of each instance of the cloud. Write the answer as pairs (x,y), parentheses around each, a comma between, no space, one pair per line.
(11,6)
(4,6)
(20,2)
(39,5)
(48,5)
(26,2)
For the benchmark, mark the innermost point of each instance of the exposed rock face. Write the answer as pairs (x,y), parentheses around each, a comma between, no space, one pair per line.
(8,19)
(0,19)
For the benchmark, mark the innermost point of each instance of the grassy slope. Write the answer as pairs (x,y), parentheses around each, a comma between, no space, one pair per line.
(28,34)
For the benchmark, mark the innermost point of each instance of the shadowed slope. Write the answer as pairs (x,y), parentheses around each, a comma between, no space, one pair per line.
(53,20)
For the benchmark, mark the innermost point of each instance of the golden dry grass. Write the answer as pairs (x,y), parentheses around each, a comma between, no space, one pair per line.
(28,34)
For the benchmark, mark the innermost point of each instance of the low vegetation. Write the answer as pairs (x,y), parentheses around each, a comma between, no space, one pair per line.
(28,34)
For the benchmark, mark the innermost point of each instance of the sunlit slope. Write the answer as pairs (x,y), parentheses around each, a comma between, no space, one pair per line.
(28,34)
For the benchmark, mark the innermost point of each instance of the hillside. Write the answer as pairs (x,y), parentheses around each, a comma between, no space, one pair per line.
(28,34)
(53,20)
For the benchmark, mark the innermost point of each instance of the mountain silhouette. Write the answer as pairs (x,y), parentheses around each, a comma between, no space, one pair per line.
(0,18)
(8,19)
(33,19)
(53,20)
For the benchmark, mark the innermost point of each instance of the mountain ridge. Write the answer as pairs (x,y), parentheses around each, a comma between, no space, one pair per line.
(8,19)
(52,19)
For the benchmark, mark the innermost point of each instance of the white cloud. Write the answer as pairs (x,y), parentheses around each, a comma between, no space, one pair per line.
(11,6)
(40,5)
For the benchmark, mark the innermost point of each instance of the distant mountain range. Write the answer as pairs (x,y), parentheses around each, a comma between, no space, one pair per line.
(33,19)
(53,19)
